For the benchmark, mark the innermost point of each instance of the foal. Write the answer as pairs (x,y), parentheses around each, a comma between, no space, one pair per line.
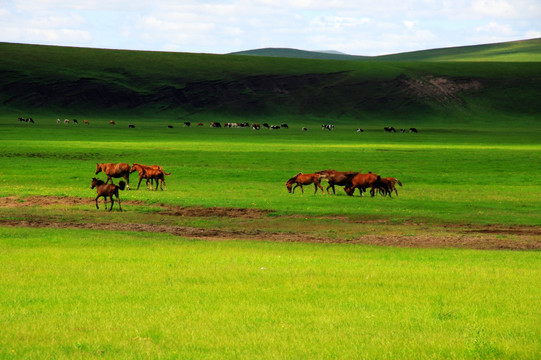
(107,190)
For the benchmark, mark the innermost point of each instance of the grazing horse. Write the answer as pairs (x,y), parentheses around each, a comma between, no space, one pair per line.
(107,191)
(145,172)
(362,182)
(304,179)
(115,171)
(336,178)
(86,122)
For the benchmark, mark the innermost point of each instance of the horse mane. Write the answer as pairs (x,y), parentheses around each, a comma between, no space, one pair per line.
(294,178)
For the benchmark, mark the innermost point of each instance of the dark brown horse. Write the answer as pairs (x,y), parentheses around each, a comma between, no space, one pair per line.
(363,182)
(107,191)
(389,185)
(150,173)
(336,178)
(304,179)
(112,170)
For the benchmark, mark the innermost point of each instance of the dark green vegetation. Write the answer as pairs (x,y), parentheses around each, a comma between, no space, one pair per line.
(83,82)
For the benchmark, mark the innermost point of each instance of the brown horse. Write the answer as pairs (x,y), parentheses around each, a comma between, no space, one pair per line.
(107,190)
(146,172)
(336,178)
(389,185)
(362,182)
(115,171)
(304,179)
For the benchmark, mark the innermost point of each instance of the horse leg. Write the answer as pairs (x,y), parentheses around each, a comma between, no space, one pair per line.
(140,179)
(294,187)
(112,202)
(118,199)
(302,189)
(97,207)
(127,178)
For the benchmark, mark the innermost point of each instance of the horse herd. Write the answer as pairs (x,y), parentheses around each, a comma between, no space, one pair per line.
(153,173)
(349,179)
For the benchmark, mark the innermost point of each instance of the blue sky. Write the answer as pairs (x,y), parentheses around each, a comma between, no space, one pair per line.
(360,27)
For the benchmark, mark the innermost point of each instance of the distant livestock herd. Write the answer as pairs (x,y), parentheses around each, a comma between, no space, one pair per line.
(254,126)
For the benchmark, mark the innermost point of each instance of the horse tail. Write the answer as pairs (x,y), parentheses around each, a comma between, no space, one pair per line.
(122,185)
(398,181)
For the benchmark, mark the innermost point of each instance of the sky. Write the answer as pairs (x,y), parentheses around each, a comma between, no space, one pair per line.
(356,27)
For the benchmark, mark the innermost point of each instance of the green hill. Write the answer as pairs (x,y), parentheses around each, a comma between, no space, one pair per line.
(60,80)
(523,50)
(299,54)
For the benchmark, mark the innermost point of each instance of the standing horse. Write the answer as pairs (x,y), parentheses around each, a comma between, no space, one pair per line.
(146,172)
(304,179)
(389,183)
(107,191)
(336,178)
(115,171)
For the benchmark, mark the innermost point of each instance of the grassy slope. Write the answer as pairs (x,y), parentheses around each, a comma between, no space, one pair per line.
(92,81)
(514,51)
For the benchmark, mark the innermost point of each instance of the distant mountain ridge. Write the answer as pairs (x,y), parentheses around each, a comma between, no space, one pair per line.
(521,50)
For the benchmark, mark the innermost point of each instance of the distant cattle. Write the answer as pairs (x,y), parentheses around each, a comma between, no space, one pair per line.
(327,127)
(304,129)
(131,126)
(275,127)
(170,126)
(75,121)
(58,121)
(266,125)
(359,130)
(285,126)
(66,121)
(86,122)
(413,130)
(402,130)
(200,124)
(28,120)
(389,129)
(256,127)
(215,125)
(187,123)
(112,122)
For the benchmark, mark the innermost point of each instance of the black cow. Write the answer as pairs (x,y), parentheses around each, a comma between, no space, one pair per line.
(215,125)
(266,125)
(413,130)
(389,129)
(360,130)
(187,123)
(131,126)
(285,126)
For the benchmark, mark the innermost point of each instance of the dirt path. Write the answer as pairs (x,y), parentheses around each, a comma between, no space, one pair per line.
(448,235)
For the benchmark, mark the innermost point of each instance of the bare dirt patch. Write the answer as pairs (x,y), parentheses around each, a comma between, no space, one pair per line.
(501,237)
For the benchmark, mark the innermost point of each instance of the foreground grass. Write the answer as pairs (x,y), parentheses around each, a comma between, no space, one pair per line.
(69,294)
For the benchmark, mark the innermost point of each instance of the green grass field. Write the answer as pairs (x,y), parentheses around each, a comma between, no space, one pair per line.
(72,294)
(226,263)
(79,293)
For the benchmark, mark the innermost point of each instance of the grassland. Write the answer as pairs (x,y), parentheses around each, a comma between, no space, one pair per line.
(226,263)
(73,294)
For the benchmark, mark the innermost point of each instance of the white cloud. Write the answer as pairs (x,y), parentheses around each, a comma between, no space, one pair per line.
(363,27)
